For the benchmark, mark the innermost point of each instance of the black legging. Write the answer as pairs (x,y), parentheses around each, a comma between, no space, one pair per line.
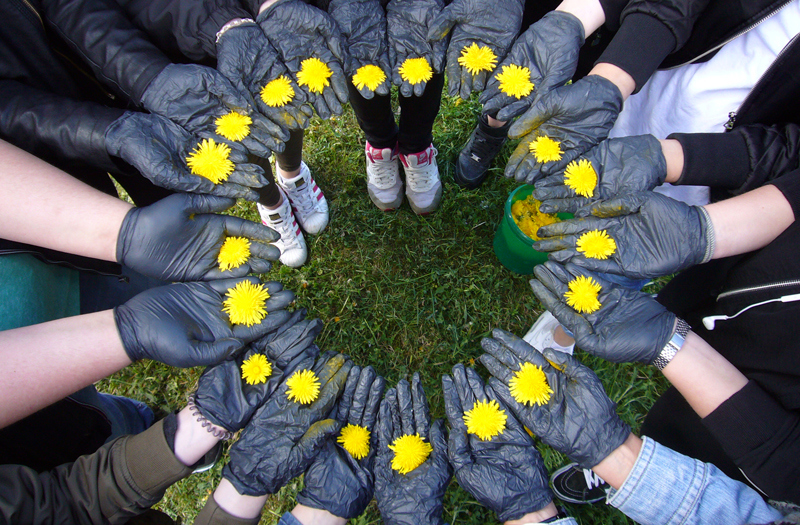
(288,160)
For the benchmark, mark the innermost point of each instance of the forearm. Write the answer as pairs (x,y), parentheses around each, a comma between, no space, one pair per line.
(589,12)
(311,516)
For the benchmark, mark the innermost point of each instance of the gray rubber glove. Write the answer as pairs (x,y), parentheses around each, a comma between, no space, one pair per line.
(491,23)
(179,239)
(158,149)
(629,326)
(579,420)
(578,115)
(363,26)
(283,436)
(414,498)
(505,474)
(300,31)
(658,236)
(336,481)
(549,48)
(623,165)
(408,23)
(183,324)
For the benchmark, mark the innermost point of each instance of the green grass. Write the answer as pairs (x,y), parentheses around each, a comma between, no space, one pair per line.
(403,293)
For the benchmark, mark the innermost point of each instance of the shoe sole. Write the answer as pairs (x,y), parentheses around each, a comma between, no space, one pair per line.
(567,499)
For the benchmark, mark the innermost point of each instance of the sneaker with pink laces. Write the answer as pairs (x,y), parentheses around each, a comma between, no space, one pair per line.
(308,201)
(423,187)
(384,184)
(291,244)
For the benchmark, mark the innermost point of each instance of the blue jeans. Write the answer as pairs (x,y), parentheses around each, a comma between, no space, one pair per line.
(126,416)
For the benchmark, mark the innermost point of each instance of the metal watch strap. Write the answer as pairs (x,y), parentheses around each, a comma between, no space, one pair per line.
(711,238)
(236,22)
(673,345)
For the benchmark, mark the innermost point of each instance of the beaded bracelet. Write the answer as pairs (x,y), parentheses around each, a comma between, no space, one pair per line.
(236,22)
(208,425)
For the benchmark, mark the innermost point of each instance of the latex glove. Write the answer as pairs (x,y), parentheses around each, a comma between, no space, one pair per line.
(659,236)
(549,48)
(579,420)
(179,238)
(246,58)
(414,498)
(183,324)
(300,31)
(408,23)
(363,26)
(158,149)
(505,474)
(629,326)
(578,115)
(494,24)
(284,436)
(228,401)
(623,165)
(336,481)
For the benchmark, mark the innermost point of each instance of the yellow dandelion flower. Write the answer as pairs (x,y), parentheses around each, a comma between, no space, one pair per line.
(210,160)
(545,149)
(485,420)
(245,303)
(527,216)
(581,177)
(303,387)
(410,451)
(278,92)
(370,76)
(355,440)
(515,81)
(596,244)
(415,70)
(582,294)
(234,252)
(529,385)
(477,58)
(256,369)
(314,73)
(233,126)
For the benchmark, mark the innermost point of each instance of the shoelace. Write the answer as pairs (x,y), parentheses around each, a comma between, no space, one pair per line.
(383,173)
(285,228)
(303,198)
(421,178)
(592,479)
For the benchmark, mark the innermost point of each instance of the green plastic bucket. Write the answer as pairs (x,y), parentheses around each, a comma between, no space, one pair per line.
(513,248)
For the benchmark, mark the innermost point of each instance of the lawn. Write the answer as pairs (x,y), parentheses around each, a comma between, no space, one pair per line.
(402,293)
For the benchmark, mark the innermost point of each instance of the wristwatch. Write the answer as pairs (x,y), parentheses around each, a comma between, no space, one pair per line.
(673,345)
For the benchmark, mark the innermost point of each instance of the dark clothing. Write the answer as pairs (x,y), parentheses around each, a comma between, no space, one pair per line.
(289,159)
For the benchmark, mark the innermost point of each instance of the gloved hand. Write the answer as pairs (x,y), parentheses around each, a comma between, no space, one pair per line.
(183,324)
(578,115)
(246,57)
(300,31)
(414,498)
(408,22)
(336,481)
(658,236)
(363,26)
(549,48)
(158,148)
(283,437)
(494,24)
(228,401)
(623,165)
(179,239)
(505,474)
(629,326)
(579,420)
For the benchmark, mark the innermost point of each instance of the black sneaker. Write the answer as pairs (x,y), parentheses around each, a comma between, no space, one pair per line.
(576,485)
(476,157)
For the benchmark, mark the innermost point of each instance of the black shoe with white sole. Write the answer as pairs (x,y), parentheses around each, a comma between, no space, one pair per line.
(576,485)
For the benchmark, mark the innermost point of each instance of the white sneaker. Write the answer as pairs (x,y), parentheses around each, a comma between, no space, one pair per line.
(308,201)
(540,336)
(291,244)
(423,187)
(383,178)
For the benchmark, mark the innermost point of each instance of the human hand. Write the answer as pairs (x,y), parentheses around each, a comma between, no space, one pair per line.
(183,324)
(629,326)
(414,498)
(337,481)
(408,22)
(506,473)
(494,24)
(578,116)
(299,32)
(623,165)
(284,436)
(579,420)
(549,48)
